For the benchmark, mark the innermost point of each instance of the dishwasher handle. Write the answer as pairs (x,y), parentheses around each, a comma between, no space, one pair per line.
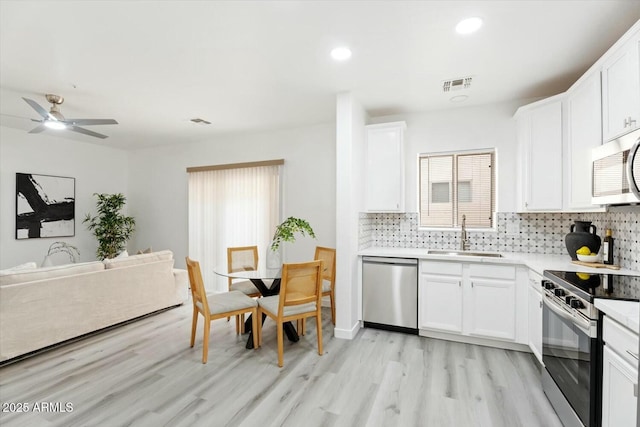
(389,260)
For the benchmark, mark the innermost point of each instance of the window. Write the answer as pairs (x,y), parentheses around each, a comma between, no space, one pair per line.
(231,205)
(456,184)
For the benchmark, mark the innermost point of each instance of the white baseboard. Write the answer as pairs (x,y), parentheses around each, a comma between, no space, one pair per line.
(347,334)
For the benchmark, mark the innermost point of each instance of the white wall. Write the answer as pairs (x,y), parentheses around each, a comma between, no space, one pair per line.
(462,128)
(350,144)
(97,169)
(158,184)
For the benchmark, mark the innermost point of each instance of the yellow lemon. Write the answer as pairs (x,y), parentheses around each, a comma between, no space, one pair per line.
(584,251)
(583,276)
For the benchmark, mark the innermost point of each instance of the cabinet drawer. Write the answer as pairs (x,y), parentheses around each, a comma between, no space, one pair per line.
(438,267)
(492,271)
(620,339)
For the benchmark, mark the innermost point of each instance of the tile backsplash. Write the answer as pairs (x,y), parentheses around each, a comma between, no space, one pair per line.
(540,233)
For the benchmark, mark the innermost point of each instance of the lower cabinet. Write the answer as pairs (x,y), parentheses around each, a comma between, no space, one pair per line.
(535,314)
(471,299)
(619,375)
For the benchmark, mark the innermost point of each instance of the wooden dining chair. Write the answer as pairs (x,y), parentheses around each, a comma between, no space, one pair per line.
(328,255)
(238,259)
(216,306)
(300,297)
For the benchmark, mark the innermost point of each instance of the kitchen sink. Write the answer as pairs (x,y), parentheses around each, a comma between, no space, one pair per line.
(464,253)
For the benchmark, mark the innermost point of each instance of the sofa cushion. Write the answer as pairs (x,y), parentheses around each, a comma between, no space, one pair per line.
(22,267)
(31,275)
(138,259)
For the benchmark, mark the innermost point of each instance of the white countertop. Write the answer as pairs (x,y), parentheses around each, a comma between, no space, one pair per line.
(625,312)
(536,262)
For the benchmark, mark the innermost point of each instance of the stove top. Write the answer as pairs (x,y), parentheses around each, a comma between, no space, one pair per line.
(590,286)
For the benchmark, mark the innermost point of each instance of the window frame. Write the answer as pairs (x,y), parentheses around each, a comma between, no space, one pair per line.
(494,191)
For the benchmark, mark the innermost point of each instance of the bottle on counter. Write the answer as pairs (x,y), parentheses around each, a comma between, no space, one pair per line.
(607,248)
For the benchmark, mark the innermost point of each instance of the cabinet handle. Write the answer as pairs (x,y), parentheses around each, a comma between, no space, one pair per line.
(629,122)
(632,354)
(635,390)
(540,304)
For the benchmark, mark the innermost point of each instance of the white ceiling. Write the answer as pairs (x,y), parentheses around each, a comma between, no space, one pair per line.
(252,66)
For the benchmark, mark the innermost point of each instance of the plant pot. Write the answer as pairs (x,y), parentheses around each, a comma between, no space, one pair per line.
(274,258)
(582,233)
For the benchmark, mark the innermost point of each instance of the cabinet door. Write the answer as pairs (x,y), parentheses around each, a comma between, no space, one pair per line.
(619,390)
(621,90)
(385,168)
(440,303)
(535,323)
(492,308)
(584,132)
(543,155)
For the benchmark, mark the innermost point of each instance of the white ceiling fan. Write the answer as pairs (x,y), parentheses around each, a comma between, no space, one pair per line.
(55,120)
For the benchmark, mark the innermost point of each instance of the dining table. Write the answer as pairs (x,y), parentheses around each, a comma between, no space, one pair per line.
(258,277)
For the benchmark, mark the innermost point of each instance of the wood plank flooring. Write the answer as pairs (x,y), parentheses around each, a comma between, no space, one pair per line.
(145,374)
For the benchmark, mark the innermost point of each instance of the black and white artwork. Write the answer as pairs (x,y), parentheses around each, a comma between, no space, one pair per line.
(45,206)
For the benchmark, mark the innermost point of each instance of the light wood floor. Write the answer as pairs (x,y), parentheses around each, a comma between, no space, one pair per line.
(145,374)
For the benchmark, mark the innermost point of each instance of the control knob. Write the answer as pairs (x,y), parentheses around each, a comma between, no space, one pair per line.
(559,292)
(576,303)
(548,285)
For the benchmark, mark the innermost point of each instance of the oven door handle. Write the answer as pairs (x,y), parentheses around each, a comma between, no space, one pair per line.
(583,324)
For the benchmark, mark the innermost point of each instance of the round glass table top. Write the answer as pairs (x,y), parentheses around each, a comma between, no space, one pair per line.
(261,273)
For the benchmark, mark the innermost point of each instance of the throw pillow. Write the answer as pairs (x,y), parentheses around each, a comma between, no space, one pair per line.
(22,267)
(122,254)
(144,251)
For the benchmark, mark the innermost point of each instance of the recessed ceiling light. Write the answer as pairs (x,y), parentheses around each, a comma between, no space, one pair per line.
(469,25)
(459,98)
(341,53)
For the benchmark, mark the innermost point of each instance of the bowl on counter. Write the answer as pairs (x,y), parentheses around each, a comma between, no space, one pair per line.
(588,258)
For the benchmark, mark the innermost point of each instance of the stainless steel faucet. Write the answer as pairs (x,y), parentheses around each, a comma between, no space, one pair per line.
(464,237)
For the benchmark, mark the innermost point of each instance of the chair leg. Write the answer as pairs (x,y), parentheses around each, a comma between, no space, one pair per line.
(194,324)
(242,323)
(332,297)
(256,328)
(205,343)
(319,331)
(280,345)
(304,325)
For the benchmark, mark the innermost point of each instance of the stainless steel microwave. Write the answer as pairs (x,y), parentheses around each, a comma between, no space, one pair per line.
(616,171)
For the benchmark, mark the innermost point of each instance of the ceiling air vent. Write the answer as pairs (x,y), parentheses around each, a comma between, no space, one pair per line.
(456,84)
(199,121)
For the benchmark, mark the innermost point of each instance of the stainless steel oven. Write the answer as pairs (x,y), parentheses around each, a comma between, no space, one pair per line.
(572,341)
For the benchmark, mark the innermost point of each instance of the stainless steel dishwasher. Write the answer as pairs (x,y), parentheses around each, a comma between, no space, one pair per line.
(390,293)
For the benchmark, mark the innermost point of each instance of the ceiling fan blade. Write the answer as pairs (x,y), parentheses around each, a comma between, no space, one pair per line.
(44,113)
(38,129)
(89,122)
(87,132)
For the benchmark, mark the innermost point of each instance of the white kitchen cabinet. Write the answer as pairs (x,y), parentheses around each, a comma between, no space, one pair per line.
(619,375)
(469,299)
(584,133)
(621,88)
(540,140)
(535,314)
(384,181)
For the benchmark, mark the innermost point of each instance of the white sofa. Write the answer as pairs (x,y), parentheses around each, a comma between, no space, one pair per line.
(46,306)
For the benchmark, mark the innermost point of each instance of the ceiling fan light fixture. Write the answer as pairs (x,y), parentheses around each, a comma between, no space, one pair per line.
(341,53)
(53,124)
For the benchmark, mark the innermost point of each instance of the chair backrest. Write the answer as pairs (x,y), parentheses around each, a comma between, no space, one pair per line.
(301,283)
(328,255)
(242,258)
(198,293)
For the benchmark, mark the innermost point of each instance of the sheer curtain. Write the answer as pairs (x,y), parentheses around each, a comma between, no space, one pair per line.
(231,207)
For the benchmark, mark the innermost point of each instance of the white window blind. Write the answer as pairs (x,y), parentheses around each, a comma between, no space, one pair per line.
(231,207)
(456,184)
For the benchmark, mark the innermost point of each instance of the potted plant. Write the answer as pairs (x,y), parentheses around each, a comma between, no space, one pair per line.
(285,232)
(110,226)
(61,247)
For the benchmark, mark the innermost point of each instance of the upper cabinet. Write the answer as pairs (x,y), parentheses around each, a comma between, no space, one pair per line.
(384,182)
(621,88)
(540,146)
(584,130)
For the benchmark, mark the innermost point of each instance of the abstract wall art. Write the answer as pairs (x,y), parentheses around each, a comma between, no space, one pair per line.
(45,206)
